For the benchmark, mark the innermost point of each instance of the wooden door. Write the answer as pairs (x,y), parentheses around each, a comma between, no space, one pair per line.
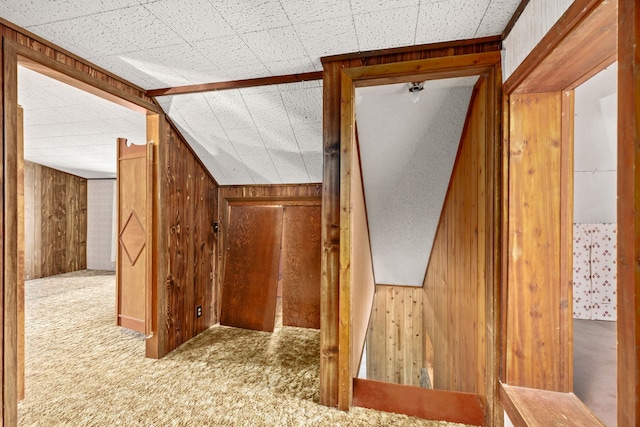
(251,267)
(133,275)
(301,256)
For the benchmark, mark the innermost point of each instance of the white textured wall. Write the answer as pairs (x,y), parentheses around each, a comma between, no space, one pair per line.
(100,224)
(595,149)
(536,21)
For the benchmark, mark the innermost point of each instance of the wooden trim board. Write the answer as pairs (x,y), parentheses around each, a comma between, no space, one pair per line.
(464,408)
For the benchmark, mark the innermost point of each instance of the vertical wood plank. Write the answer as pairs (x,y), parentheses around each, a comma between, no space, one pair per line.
(10,235)
(534,346)
(300,266)
(251,269)
(565,288)
(329,324)
(454,292)
(628,207)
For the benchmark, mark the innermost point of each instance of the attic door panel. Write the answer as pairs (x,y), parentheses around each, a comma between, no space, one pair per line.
(251,267)
(301,256)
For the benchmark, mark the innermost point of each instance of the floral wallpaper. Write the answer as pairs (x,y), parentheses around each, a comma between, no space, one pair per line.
(594,271)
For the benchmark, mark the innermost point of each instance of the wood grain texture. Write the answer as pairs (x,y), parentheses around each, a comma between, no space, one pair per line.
(186,242)
(456,407)
(237,84)
(9,235)
(583,40)
(251,269)
(537,299)
(55,222)
(628,298)
(256,195)
(528,407)
(300,266)
(395,339)
(133,244)
(456,280)
(330,285)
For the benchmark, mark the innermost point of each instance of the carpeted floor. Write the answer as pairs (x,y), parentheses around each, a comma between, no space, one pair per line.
(82,370)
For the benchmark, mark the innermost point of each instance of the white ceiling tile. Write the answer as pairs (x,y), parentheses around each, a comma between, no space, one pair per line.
(245,72)
(13,16)
(338,36)
(181,57)
(309,137)
(188,104)
(266,109)
(303,105)
(496,17)
(313,163)
(97,6)
(365,6)
(247,142)
(449,20)
(43,11)
(281,43)
(301,11)
(229,108)
(280,139)
(261,171)
(140,26)
(141,63)
(233,169)
(252,15)
(193,20)
(258,89)
(387,28)
(290,66)
(290,167)
(130,66)
(85,36)
(227,52)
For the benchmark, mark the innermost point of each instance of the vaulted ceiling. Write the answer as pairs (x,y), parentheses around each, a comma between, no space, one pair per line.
(261,135)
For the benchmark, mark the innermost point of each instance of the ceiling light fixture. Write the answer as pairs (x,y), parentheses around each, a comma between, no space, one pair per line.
(415,88)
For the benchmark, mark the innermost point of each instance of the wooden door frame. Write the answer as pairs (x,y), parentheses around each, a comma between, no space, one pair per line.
(14,54)
(480,64)
(584,39)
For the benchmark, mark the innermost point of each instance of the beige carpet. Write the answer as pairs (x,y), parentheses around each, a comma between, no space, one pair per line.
(82,370)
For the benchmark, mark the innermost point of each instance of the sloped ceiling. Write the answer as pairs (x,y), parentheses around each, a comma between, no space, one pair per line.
(408,145)
(163,43)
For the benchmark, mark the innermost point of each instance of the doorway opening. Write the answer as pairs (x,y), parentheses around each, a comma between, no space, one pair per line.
(67,139)
(595,243)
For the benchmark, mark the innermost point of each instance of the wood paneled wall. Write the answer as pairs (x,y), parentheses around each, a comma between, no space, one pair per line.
(395,340)
(187,212)
(55,221)
(456,281)
(537,350)
(333,392)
